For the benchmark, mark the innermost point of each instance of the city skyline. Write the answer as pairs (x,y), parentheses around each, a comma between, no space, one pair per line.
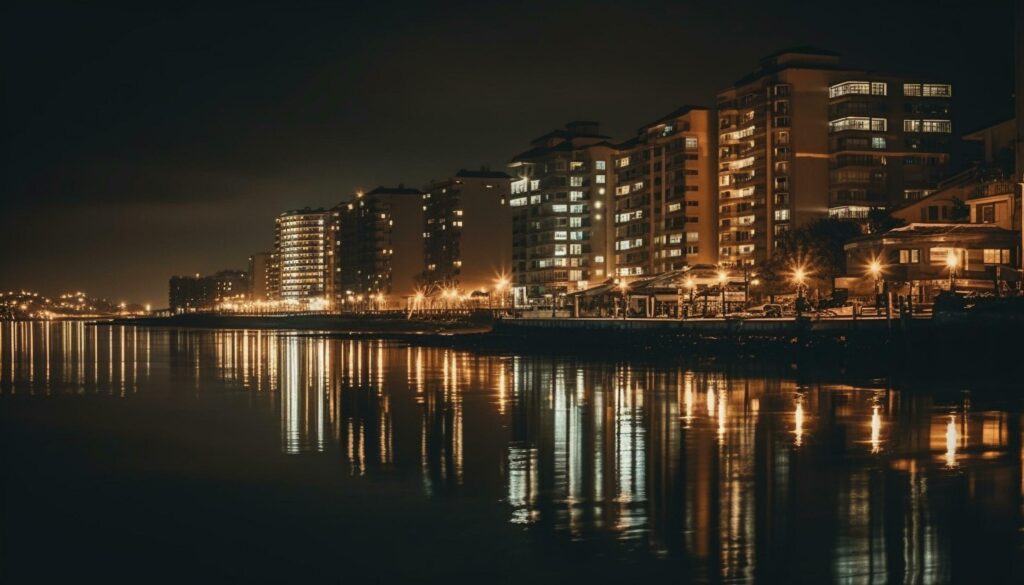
(112,196)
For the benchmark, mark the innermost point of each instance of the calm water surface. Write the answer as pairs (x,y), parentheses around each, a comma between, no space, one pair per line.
(148,455)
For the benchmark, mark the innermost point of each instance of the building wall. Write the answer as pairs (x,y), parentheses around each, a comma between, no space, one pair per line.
(259,288)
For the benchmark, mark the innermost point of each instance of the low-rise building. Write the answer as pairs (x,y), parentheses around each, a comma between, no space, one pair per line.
(922,259)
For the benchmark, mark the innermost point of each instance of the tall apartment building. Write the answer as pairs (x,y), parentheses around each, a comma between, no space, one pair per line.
(803,137)
(467,230)
(380,242)
(304,245)
(259,281)
(561,217)
(666,196)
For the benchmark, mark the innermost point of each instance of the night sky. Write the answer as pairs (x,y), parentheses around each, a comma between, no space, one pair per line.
(141,142)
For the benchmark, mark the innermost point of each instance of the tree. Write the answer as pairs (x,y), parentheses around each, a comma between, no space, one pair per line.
(880,221)
(816,247)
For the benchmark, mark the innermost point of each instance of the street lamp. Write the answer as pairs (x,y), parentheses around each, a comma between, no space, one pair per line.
(723,279)
(799,277)
(692,285)
(624,288)
(875,270)
(500,285)
(952,262)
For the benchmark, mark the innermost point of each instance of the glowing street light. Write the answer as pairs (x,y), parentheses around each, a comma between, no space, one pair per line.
(723,279)
(875,271)
(624,288)
(799,277)
(952,262)
(500,285)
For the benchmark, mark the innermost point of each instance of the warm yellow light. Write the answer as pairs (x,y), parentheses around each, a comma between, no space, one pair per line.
(875,268)
(623,285)
(799,275)
(690,282)
(755,282)
(722,276)
(951,259)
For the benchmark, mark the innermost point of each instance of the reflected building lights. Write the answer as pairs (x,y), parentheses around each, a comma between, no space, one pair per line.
(876,429)
(951,442)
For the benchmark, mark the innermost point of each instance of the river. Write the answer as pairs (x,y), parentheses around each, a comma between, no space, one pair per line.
(146,455)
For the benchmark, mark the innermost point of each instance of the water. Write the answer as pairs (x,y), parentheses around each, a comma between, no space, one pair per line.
(147,455)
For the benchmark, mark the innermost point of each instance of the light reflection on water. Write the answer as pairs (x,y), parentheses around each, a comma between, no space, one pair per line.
(744,477)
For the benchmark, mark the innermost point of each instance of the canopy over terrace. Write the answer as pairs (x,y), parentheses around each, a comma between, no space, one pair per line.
(651,296)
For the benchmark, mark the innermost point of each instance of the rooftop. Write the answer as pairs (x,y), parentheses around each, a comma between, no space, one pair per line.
(481,174)
(399,190)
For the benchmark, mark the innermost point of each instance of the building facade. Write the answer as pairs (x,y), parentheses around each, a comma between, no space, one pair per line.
(259,281)
(304,248)
(803,138)
(200,293)
(665,196)
(561,214)
(380,244)
(467,231)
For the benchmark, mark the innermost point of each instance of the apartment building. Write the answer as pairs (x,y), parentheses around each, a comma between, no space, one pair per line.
(304,248)
(804,137)
(259,276)
(665,195)
(467,231)
(380,243)
(561,214)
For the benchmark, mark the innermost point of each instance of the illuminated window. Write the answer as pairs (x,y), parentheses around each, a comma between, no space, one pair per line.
(996,256)
(937,90)
(559,208)
(944,126)
(599,179)
(600,165)
(691,143)
(911,125)
(877,142)
(849,87)
(858,123)
(575,181)
(910,256)
(912,89)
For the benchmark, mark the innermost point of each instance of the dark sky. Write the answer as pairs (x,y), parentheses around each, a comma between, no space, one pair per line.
(144,141)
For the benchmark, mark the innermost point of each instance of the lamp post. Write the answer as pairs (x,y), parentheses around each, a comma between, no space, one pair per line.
(500,285)
(952,262)
(723,279)
(799,276)
(875,270)
(624,288)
